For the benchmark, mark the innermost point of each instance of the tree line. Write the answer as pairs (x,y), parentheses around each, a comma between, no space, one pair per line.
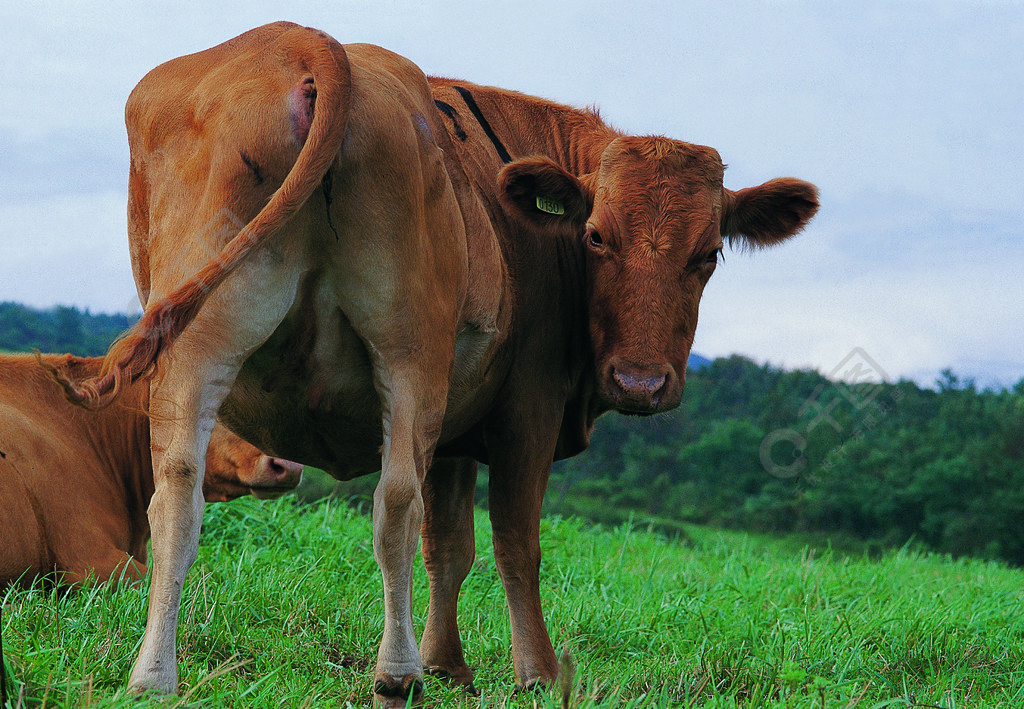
(756,447)
(59,329)
(759,448)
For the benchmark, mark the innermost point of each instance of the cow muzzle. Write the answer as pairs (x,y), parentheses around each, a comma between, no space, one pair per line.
(273,477)
(634,388)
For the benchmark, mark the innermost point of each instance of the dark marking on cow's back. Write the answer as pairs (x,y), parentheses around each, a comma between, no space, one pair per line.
(253,166)
(479,115)
(449,110)
(3,455)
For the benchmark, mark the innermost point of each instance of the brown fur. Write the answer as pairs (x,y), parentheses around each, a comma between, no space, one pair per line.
(422,316)
(134,355)
(74,485)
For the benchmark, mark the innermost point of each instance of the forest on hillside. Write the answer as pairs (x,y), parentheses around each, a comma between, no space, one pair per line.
(59,329)
(756,447)
(760,448)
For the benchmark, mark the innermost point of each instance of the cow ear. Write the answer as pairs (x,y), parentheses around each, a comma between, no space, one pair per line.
(540,193)
(767,214)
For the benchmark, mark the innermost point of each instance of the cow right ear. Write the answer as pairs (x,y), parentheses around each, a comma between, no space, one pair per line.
(540,193)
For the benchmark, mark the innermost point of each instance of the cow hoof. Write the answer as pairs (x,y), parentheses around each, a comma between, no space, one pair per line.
(155,690)
(537,684)
(461,676)
(391,693)
(154,682)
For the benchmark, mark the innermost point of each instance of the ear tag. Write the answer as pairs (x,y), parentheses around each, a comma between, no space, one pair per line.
(546,204)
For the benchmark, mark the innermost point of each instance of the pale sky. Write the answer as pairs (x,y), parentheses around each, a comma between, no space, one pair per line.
(908,115)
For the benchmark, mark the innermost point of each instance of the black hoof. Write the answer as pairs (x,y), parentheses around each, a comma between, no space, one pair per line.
(537,684)
(392,693)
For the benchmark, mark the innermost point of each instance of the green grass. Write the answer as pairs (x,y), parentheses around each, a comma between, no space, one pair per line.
(283,609)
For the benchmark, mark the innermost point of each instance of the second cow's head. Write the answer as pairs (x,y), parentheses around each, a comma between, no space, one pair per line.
(652,219)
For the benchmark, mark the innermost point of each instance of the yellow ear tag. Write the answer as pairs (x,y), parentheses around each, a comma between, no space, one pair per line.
(546,204)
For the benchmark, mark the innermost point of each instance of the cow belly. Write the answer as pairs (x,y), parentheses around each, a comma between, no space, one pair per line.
(329,416)
(307,394)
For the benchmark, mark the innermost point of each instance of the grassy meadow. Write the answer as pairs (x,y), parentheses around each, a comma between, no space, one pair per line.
(283,609)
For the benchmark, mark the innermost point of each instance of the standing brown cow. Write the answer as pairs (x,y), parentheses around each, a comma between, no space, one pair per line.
(74,485)
(437,271)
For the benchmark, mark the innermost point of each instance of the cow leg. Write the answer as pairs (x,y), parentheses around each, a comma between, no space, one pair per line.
(194,378)
(518,479)
(180,434)
(448,550)
(110,565)
(413,412)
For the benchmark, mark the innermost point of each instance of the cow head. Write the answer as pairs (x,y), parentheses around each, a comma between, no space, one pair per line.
(234,469)
(651,219)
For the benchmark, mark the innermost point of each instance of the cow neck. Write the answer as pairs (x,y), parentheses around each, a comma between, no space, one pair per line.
(519,125)
(137,469)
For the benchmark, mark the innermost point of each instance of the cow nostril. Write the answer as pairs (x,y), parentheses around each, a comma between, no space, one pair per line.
(283,470)
(630,382)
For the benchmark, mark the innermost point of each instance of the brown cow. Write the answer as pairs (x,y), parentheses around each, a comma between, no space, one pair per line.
(74,485)
(409,275)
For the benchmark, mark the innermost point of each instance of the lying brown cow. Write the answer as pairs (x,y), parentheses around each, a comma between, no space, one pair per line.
(74,485)
(364,269)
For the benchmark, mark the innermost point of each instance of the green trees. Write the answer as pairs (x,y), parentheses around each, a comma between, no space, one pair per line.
(59,329)
(942,467)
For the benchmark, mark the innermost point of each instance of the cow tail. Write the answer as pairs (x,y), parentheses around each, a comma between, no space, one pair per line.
(134,356)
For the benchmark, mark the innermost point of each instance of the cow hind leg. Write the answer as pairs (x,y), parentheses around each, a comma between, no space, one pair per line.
(175,517)
(193,379)
(183,410)
(413,406)
(448,551)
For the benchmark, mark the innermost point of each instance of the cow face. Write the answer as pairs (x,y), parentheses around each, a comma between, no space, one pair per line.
(651,220)
(234,469)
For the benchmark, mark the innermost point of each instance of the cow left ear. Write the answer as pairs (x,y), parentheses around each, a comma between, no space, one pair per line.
(541,193)
(767,214)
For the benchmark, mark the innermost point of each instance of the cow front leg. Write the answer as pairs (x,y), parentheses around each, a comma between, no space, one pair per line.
(516,493)
(448,551)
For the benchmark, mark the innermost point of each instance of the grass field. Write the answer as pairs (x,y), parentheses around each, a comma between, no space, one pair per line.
(283,609)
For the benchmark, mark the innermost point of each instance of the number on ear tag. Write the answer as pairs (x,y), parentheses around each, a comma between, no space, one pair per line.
(546,204)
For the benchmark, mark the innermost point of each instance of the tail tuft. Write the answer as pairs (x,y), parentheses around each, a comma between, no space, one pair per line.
(566,677)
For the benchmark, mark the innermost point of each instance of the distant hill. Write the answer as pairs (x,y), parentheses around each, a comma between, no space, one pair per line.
(697,362)
(58,329)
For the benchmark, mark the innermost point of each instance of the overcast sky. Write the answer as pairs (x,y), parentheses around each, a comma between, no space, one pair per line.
(907,115)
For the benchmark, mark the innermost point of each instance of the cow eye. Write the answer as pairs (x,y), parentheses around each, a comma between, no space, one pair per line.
(709,261)
(594,240)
